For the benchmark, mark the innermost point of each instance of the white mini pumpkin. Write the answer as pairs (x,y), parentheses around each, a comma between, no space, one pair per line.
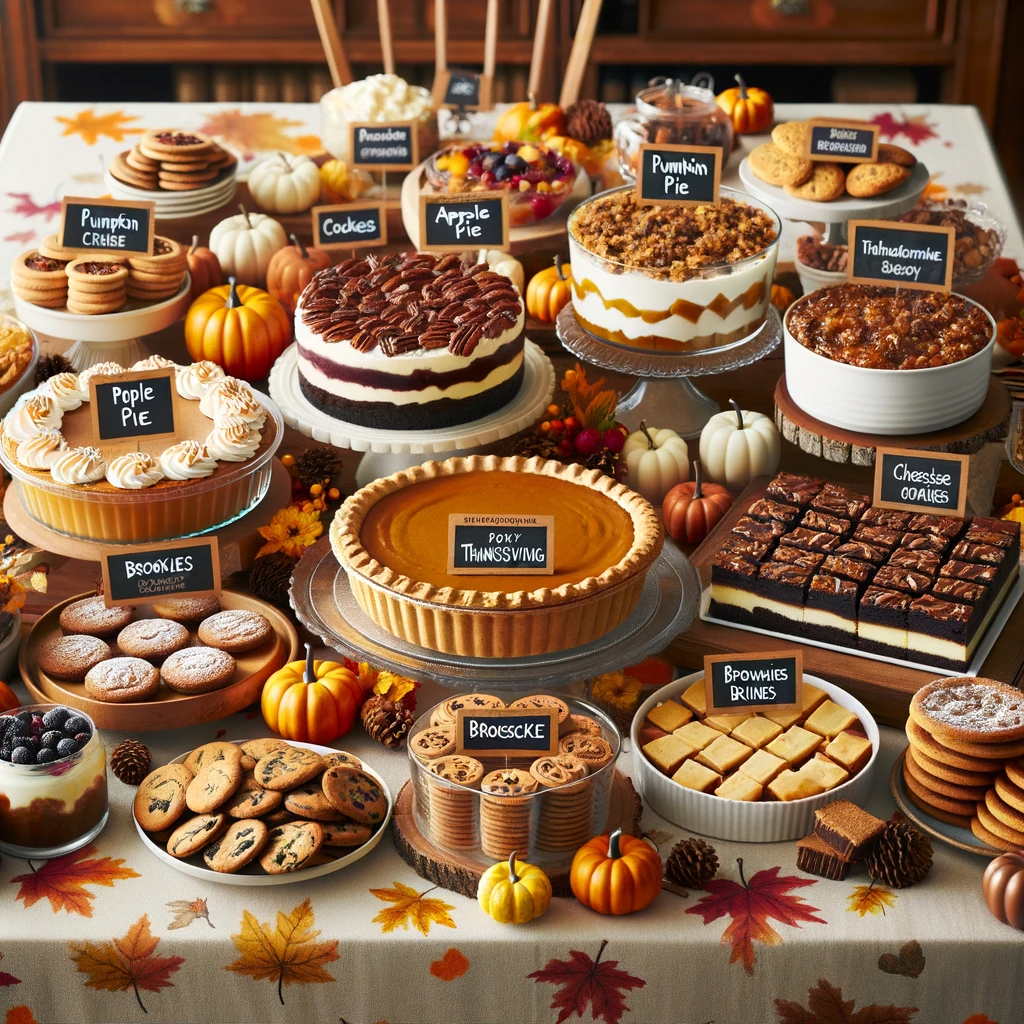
(738,445)
(284,183)
(244,245)
(503,263)
(656,460)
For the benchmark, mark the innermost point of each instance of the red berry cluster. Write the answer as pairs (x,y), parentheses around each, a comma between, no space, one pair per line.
(575,440)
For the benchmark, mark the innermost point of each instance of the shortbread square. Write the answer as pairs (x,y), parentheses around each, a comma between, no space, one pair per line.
(824,771)
(667,753)
(790,785)
(813,696)
(851,750)
(698,734)
(762,767)
(695,698)
(739,787)
(725,723)
(697,776)
(830,720)
(756,732)
(794,745)
(785,719)
(669,716)
(724,754)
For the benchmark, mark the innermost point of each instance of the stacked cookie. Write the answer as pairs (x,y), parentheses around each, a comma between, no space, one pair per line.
(157,277)
(40,279)
(96,285)
(171,160)
(265,801)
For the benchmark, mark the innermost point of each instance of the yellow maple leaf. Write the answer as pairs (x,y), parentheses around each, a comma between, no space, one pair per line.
(867,899)
(92,126)
(288,954)
(393,686)
(408,905)
(259,132)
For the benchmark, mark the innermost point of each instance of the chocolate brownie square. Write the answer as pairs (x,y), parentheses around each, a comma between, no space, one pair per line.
(945,526)
(979,535)
(954,626)
(890,518)
(961,591)
(815,520)
(925,542)
(851,569)
(812,540)
(797,556)
(892,577)
(983,554)
(972,572)
(784,588)
(764,531)
(765,508)
(793,489)
(831,612)
(927,562)
(734,571)
(882,622)
(744,547)
(841,501)
(863,551)
(880,536)
(1009,526)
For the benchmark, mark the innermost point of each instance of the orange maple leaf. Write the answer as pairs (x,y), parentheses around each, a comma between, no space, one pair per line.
(91,126)
(410,905)
(20,1015)
(127,963)
(259,132)
(63,880)
(869,899)
(452,965)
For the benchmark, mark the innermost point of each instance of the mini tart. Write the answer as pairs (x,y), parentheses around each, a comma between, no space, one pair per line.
(594,589)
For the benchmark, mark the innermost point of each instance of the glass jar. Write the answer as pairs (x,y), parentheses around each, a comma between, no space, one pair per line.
(48,810)
(672,113)
(1015,441)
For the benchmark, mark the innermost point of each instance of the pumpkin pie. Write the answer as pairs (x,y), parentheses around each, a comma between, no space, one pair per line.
(392,539)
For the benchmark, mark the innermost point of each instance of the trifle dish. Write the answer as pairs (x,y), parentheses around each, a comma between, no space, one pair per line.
(215,469)
(669,278)
(391,538)
(53,781)
(537,178)
(409,341)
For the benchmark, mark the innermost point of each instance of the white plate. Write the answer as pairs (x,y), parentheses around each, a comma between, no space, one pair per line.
(124,191)
(244,877)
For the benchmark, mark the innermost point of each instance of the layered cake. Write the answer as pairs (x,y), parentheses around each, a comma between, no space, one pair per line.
(409,341)
(817,560)
(670,278)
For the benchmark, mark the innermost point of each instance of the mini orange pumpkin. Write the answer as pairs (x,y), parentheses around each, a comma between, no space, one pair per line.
(528,122)
(291,269)
(782,297)
(311,701)
(691,509)
(8,698)
(751,110)
(240,328)
(616,874)
(203,268)
(549,292)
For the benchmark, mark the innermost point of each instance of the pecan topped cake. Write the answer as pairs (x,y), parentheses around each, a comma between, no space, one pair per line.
(409,340)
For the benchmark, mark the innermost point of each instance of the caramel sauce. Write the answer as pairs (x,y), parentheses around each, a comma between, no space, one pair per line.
(658,343)
(48,823)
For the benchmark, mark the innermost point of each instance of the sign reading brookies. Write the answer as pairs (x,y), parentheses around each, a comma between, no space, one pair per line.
(852,142)
(167,569)
(142,403)
(496,732)
(106,225)
(678,175)
(920,481)
(386,145)
(451,223)
(462,90)
(351,226)
(909,255)
(501,545)
(764,681)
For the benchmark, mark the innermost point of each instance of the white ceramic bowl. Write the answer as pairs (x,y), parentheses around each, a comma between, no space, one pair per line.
(769,821)
(874,401)
(811,278)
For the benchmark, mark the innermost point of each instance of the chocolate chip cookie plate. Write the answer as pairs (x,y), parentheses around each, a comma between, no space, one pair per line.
(262,812)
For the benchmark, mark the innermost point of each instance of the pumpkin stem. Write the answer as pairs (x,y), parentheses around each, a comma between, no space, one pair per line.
(233,300)
(298,245)
(739,861)
(558,269)
(245,214)
(614,850)
(742,85)
(309,673)
(195,245)
(697,481)
(650,440)
(512,876)
(739,412)
(284,160)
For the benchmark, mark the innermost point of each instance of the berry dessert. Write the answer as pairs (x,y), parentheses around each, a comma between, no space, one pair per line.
(537,178)
(53,781)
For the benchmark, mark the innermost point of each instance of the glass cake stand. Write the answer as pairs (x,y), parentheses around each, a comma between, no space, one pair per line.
(324,604)
(664,394)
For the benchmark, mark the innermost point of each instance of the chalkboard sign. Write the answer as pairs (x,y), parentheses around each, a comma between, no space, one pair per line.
(387,145)
(142,403)
(678,175)
(350,226)
(106,225)
(904,255)
(501,545)
(475,220)
(494,732)
(462,90)
(920,481)
(839,141)
(169,569)
(765,681)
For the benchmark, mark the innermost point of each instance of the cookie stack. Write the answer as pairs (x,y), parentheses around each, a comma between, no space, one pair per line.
(262,801)
(171,160)
(566,819)
(157,277)
(505,812)
(96,285)
(40,279)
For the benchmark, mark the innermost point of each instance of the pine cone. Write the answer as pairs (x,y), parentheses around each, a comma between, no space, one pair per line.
(130,761)
(271,576)
(588,121)
(901,856)
(318,466)
(387,721)
(50,366)
(691,863)
(530,445)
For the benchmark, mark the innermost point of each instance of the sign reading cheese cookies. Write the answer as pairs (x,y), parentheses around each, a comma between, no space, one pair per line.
(678,175)
(142,403)
(832,139)
(184,568)
(909,255)
(386,145)
(764,681)
(462,90)
(495,545)
(106,225)
(495,732)
(474,220)
(350,226)
(921,481)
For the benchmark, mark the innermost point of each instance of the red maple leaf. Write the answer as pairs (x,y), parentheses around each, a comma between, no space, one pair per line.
(22,237)
(751,905)
(825,1005)
(26,206)
(63,880)
(915,129)
(581,980)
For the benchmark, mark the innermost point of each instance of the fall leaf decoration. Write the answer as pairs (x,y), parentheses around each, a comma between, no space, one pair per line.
(751,905)
(26,206)
(288,954)
(593,404)
(451,966)
(909,961)
(7,980)
(979,1018)
(291,531)
(825,1005)
(395,687)
(870,899)
(914,129)
(127,963)
(92,126)
(23,1015)
(258,132)
(582,981)
(409,906)
(63,880)
(187,911)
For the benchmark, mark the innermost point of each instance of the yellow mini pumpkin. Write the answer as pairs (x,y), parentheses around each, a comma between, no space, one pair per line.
(548,292)
(514,893)
(339,184)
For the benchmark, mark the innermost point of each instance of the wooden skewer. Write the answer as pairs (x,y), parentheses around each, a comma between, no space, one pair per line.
(491,38)
(330,39)
(580,53)
(440,35)
(541,35)
(387,48)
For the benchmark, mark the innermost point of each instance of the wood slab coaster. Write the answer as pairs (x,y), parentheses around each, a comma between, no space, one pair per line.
(168,710)
(461,873)
(834,444)
(884,688)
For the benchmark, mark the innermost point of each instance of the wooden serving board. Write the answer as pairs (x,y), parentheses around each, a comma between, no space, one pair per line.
(884,688)
(168,710)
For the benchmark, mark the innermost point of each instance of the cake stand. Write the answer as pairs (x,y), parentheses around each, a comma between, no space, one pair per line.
(106,336)
(388,451)
(178,205)
(664,394)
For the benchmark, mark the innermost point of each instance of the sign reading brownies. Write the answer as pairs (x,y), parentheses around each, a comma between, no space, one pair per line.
(350,226)
(678,175)
(764,681)
(851,142)
(386,145)
(496,732)
(909,255)
(143,403)
(451,223)
(106,225)
(920,481)
(167,569)
(494,545)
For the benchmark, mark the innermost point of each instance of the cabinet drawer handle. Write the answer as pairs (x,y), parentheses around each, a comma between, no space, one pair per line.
(791,8)
(194,6)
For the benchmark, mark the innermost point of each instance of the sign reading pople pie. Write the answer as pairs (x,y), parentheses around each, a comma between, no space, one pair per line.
(764,681)
(350,226)
(852,142)
(140,403)
(462,90)
(919,481)
(678,175)
(497,732)
(908,255)
(473,220)
(184,568)
(106,225)
(493,545)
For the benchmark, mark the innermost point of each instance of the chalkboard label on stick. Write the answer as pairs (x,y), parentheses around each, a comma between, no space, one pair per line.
(839,141)
(462,90)
(452,223)
(106,225)
(902,255)
(763,681)
(920,481)
(501,545)
(167,569)
(678,175)
(350,226)
(143,403)
(386,145)
(497,732)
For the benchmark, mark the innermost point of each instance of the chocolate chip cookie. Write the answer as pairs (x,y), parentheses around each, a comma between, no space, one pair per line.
(240,845)
(160,799)
(355,794)
(290,847)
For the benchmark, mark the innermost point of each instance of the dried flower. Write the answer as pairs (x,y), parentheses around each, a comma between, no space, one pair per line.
(290,531)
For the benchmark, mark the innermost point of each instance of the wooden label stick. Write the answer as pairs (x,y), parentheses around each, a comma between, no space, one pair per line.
(330,39)
(541,35)
(440,37)
(387,48)
(491,38)
(580,53)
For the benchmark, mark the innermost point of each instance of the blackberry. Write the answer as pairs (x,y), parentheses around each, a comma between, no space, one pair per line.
(6,723)
(56,718)
(67,747)
(6,747)
(46,755)
(23,755)
(20,739)
(74,725)
(24,718)
(51,739)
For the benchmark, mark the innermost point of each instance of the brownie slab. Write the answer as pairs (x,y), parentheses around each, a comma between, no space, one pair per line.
(831,611)
(765,508)
(882,622)
(793,489)
(941,632)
